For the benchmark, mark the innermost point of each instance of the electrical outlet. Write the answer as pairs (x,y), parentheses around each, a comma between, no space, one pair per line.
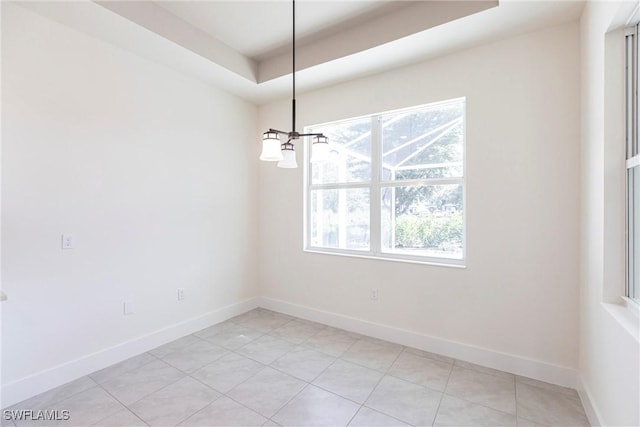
(180,294)
(67,241)
(373,294)
(128,307)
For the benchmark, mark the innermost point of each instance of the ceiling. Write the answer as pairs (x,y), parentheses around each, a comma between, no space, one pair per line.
(245,46)
(260,29)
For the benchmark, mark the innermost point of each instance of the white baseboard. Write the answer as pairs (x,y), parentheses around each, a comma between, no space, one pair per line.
(42,381)
(518,365)
(587,402)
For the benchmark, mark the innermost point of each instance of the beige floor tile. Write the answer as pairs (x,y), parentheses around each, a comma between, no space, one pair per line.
(552,387)
(303,363)
(194,356)
(408,402)
(264,321)
(367,417)
(349,380)
(496,392)
(332,341)
(421,370)
(266,349)
(225,412)
(429,355)
(133,386)
(84,408)
(484,369)
(174,403)
(51,397)
(122,418)
(174,346)
(227,372)
(267,391)
(458,412)
(215,329)
(373,353)
(123,367)
(247,315)
(549,407)
(522,422)
(316,407)
(234,337)
(297,331)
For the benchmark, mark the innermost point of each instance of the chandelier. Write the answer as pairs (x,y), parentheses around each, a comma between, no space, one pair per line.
(273,150)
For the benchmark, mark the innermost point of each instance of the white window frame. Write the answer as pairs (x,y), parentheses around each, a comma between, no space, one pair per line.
(632,151)
(375,186)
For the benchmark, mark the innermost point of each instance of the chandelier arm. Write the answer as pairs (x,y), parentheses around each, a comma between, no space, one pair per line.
(281,132)
(311,134)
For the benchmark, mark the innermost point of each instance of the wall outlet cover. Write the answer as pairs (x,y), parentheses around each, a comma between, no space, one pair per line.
(67,241)
(128,307)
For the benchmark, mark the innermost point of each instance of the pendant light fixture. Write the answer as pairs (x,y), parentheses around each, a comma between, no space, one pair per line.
(284,153)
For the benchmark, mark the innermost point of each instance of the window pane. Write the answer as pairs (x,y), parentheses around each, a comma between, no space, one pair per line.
(634,233)
(423,144)
(340,218)
(350,144)
(423,220)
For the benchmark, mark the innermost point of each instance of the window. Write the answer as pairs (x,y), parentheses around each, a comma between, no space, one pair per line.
(633,167)
(393,187)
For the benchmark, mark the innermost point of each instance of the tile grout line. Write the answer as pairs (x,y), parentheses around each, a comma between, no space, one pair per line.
(117,400)
(435,415)
(376,386)
(215,400)
(515,395)
(416,383)
(197,410)
(476,403)
(289,400)
(95,383)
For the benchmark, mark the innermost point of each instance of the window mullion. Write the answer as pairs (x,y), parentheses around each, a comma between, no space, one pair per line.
(374,192)
(339,185)
(422,182)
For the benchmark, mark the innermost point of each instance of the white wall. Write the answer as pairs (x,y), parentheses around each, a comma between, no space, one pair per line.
(519,292)
(609,349)
(155,175)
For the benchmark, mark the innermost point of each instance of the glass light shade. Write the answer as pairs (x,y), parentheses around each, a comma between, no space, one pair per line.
(288,157)
(320,149)
(271,147)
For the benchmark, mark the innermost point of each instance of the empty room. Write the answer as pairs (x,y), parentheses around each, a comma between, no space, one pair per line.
(320,213)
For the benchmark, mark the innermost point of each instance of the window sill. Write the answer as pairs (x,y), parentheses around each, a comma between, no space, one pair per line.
(627,314)
(389,257)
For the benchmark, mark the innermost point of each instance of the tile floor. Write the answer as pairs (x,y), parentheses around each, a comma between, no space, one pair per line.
(263,368)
